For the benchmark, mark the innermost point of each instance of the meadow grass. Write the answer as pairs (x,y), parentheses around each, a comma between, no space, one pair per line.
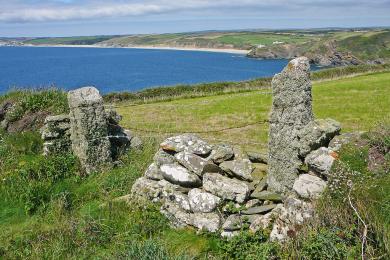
(356,102)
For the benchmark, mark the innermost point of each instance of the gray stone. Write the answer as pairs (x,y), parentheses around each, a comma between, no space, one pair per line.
(240,154)
(56,135)
(187,142)
(262,185)
(292,216)
(229,234)
(225,188)
(316,134)
(89,130)
(153,172)
(178,217)
(291,112)
(259,209)
(146,189)
(338,141)
(192,162)
(241,169)
(210,222)
(263,222)
(309,187)
(162,157)
(321,160)
(267,195)
(201,201)
(258,157)
(222,153)
(179,175)
(180,199)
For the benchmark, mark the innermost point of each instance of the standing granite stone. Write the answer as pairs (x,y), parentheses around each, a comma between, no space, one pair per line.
(291,112)
(88,128)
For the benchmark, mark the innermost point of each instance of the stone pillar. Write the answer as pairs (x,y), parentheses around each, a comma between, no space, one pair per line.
(88,128)
(291,112)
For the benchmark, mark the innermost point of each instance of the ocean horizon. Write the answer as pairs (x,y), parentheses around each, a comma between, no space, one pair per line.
(122,69)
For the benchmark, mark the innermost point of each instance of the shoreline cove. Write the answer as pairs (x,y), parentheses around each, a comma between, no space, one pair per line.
(141,47)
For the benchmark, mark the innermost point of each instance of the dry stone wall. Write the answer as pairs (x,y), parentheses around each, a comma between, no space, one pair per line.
(223,189)
(90,131)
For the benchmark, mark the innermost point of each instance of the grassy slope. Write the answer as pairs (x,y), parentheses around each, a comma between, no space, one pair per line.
(79,40)
(356,102)
(46,211)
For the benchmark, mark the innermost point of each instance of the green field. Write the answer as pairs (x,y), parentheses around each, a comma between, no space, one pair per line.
(356,102)
(49,210)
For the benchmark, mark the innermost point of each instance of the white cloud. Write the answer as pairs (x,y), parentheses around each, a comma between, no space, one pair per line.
(64,10)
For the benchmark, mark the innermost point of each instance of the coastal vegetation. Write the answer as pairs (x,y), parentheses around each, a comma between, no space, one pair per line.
(49,210)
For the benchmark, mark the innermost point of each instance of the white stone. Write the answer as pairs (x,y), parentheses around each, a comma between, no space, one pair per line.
(320,161)
(309,187)
(201,201)
(179,175)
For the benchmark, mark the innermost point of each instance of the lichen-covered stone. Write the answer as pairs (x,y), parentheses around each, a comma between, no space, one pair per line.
(153,172)
(210,222)
(240,169)
(291,112)
(236,222)
(192,162)
(316,134)
(267,195)
(321,160)
(258,157)
(221,153)
(202,201)
(187,142)
(89,130)
(162,157)
(56,135)
(225,188)
(339,140)
(309,187)
(265,221)
(179,175)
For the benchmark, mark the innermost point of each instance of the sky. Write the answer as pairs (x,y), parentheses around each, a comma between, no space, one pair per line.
(108,17)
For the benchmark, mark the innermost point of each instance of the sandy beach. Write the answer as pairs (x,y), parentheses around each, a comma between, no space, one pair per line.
(234,51)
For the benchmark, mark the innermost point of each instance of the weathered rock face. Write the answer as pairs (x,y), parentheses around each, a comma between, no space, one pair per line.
(89,129)
(309,187)
(56,135)
(226,188)
(177,174)
(321,160)
(201,201)
(291,112)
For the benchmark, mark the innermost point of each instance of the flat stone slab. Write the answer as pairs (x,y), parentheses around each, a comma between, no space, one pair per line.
(153,172)
(179,175)
(221,153)
(186,142)
(259,210)
(241,169)
(192,162)
(267,195)
(225,188)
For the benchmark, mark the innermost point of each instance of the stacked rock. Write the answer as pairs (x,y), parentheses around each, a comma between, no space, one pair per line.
(56,135)
(210,187)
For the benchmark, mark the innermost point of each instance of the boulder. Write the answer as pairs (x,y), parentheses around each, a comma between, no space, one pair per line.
(291,112)
(202,201)
(316,134)
(240,169)
(221,153)
(179,175)
(153,172)
(136,143)
(321,160)
(309,187)
(180,199)
(178,217)
(187,142)
(88,129)
(236,222)
(146,189)
(225,188)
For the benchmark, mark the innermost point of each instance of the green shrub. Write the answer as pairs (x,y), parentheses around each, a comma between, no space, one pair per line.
(148,250)
(247,246)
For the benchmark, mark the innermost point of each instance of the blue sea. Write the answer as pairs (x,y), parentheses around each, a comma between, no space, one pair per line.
(116,69)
